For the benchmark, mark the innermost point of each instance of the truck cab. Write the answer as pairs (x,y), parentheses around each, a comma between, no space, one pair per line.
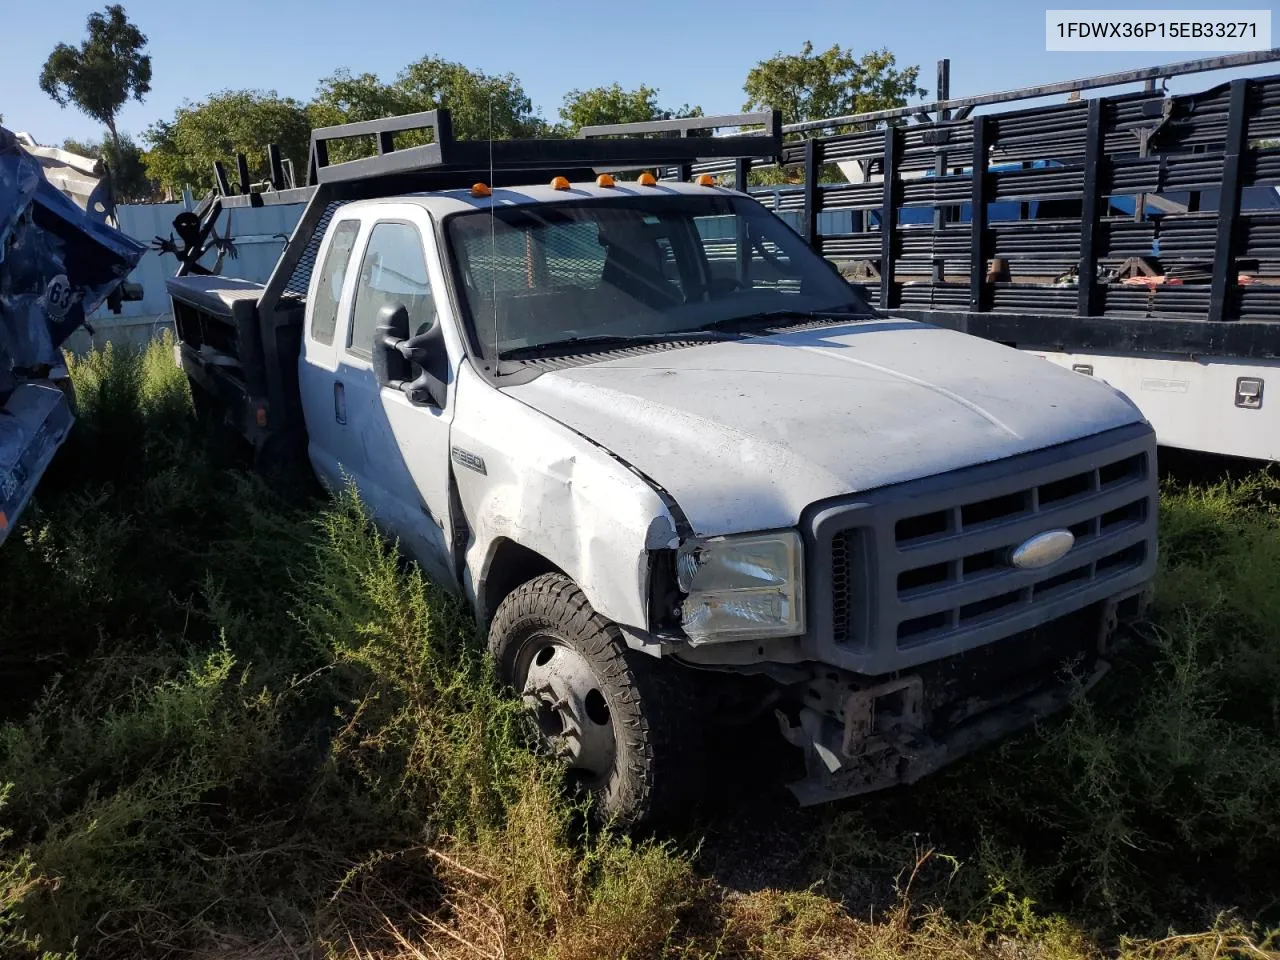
(674,461)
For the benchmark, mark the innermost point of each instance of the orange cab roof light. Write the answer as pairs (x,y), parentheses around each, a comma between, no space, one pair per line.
(705,180)
(647,179)
(559,183)
(604,180)
(481,190)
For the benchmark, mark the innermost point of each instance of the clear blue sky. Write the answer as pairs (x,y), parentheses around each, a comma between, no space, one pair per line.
(693,52)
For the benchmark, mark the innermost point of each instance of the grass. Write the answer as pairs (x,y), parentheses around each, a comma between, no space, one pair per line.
(235,727)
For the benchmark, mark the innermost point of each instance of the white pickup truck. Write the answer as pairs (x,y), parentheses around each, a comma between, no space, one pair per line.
(677,464)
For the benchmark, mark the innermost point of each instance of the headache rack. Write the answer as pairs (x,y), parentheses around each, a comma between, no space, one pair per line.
(445,162)
(260,332)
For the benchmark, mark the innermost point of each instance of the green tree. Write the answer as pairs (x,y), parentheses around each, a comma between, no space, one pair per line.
(100,75)
(811,86)
(613,104)
(345,98)
(129,180)
(479,104)
(182,150)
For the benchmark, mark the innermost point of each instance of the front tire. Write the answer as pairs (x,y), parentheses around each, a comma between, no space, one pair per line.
(624,722)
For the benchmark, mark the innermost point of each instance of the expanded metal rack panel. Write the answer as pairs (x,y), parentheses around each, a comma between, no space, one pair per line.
(300,279)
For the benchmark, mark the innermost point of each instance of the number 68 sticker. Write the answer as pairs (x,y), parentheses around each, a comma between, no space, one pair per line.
(58,297)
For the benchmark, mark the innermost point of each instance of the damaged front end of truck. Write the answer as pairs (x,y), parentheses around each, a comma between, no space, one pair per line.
(60,260)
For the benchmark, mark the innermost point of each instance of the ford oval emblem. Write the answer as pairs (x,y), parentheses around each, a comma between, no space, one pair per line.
(1042,549)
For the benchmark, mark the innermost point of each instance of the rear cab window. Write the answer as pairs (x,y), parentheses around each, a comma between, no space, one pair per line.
(324,308)
(756,263)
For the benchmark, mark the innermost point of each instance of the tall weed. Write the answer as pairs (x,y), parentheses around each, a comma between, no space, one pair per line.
(232,722)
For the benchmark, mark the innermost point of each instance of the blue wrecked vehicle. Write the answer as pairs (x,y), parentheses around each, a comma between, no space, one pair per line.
(60,260)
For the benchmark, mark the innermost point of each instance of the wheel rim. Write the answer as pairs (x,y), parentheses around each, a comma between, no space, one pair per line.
(564,697)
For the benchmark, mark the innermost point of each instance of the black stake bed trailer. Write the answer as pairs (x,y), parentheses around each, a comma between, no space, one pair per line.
(1077,164)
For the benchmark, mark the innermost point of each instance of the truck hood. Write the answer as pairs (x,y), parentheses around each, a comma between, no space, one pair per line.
(745,434)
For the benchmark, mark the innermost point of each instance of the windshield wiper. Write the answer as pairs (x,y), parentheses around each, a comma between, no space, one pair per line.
(707,331)
(766,317)
(572,345)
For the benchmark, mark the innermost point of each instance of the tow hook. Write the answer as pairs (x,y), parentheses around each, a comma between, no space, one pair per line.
(899,703)
(886,720)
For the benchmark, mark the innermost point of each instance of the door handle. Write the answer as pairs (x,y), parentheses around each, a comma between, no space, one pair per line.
(339,402)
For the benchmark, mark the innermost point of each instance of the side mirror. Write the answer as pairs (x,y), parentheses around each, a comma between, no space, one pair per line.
(389,367)
(395,354)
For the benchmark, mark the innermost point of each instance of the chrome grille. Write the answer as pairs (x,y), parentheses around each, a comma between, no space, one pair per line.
(961,586)
(923,569)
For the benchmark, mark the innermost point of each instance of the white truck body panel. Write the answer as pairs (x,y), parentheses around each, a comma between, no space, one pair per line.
(444,202)
(554,492)
(393,450)
(1192,403)
(540,485)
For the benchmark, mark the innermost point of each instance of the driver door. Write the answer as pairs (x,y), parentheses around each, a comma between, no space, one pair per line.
(405,475)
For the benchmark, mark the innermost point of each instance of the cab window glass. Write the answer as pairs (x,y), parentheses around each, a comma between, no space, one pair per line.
(393,272)
(324,312)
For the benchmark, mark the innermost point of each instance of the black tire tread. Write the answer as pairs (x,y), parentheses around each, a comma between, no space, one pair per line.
(653,702)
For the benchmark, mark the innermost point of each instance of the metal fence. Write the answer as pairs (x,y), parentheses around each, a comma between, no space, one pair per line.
(1092,184)
(258,234)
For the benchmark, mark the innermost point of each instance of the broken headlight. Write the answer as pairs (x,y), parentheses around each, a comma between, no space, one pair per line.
(741,586)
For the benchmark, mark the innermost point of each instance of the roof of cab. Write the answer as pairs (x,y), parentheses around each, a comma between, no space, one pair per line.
(444,202)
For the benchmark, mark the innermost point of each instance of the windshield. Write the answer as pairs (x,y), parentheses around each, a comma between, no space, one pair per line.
(642,267)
